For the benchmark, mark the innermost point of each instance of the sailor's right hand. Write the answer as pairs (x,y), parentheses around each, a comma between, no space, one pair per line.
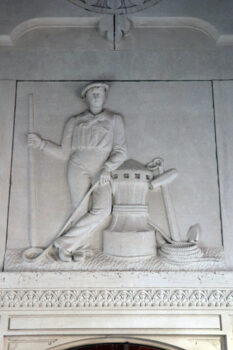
(35,141)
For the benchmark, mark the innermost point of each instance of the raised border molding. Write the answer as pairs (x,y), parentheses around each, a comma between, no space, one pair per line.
(168,342)
(115,298)
(46,23)
(138,22)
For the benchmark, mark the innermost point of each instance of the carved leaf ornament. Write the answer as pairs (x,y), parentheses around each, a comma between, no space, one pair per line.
(108,298)
(115,7)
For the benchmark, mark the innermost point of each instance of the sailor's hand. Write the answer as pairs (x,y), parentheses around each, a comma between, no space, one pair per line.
(35,141)
(104,177)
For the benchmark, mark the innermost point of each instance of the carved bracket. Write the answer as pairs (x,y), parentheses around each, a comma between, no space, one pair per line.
(114,28)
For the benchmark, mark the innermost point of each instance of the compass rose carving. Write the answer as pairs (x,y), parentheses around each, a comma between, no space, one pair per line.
(115,7)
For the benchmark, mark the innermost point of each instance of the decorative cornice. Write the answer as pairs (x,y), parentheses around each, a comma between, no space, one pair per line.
(116,298)
(25,27)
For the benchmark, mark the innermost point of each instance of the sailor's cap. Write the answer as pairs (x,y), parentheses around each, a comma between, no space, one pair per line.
(92,85)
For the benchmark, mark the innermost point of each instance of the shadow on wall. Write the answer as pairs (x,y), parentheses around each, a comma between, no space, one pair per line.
(116,343)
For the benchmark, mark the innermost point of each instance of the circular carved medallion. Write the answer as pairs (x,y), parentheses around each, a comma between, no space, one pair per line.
(115,7)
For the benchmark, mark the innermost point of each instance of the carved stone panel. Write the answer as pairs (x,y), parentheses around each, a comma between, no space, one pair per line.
(115,6)
(173,120)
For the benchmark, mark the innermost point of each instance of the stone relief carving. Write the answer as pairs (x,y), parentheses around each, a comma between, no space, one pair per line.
(115,28)
(94,146)
(117,298)
(131,233)
(118,31)
(115,6)
(211,260)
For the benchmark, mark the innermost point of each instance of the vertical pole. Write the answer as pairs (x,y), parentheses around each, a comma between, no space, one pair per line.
(169,209)
(171,218)
(31,179)
(157,166)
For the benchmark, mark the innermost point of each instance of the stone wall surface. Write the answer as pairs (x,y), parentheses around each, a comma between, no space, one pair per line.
(214,12)
(171,78)
(223,106)
(161,114)
(185,40)
(158,312)
(7,106)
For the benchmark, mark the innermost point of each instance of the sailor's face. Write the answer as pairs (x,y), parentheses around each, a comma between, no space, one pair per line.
(95,97)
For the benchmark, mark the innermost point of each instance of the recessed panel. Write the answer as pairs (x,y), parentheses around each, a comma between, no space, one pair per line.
(172,120)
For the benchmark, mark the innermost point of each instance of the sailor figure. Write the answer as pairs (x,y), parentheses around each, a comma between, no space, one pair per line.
(93,144)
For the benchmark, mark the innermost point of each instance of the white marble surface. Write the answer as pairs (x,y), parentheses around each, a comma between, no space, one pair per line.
(177,119)
(171,115)
(75,64)
(168,41)
(223,94)
(152,50)
(168,342)
(161,38)
(7,103)
(148,307)
(50,173)
(115,279)
(64,38)
(212,260)
(211,11)
(17,13)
